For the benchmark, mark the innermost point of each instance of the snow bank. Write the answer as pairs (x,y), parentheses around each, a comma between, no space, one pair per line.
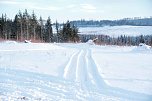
(142,47)
(9,42)
(36,57)
(90,42)
(124,68)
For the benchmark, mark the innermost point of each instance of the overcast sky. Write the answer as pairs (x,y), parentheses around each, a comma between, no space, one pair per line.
(63,10)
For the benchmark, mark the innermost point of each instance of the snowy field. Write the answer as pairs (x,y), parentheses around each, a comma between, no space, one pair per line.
(74,72)
(115,31)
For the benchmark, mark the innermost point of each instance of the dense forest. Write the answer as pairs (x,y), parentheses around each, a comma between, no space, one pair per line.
(27,26)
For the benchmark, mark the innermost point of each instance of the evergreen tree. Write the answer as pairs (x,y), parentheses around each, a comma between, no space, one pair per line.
(48,31)
(142,39)
(34,24)
(69,33)
(57,31)
(21,26)
(16,27)
(26,18)
(5,28)
(41,29)
(2,24)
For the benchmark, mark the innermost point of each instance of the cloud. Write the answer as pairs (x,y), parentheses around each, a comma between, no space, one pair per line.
(71,6)
(88,7)
(9,2)
(29,5)
(45,8)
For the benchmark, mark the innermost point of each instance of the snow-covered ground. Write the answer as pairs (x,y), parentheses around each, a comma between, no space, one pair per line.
(115,31)
(74,72)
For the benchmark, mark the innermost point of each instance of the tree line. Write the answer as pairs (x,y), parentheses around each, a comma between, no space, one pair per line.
(28,27)
(122,40)
(137,21)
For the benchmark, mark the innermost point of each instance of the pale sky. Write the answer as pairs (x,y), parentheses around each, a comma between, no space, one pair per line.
(63,10)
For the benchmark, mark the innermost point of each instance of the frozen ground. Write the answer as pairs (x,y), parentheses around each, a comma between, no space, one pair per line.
(115,31)
(74,72)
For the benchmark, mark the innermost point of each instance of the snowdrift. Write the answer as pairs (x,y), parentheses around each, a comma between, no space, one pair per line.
(142,47)
(90,42)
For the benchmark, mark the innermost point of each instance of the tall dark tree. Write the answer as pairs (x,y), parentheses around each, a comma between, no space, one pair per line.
(57,31)
(8,29)
(69,32)
(16,27)
(34,24)
(48,31)
(26,18)
(21,25)
(142,39)
(5,27)
(2,25)
(74,34)
(41,26)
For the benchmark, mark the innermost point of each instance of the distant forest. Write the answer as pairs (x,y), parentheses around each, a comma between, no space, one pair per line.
(137,21)
(27,26)
(121,40)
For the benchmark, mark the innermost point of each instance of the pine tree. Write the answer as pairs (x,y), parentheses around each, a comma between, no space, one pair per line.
(34,24)
(8,29)
(41,29)
(2,24)
(5,28)
(48,29)
(74,35)
(57,31)
(69,33)
(16,27)
(26,18)
(21,26)
(142,39)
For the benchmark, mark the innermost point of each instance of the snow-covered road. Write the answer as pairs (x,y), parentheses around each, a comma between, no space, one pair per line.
(70,72)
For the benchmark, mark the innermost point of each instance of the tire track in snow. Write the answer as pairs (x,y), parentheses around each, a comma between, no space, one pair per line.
(104,88)
(16,84)
(82,77)
(93,73)
(70,68)
(84,74)
(82,69)
(76,70)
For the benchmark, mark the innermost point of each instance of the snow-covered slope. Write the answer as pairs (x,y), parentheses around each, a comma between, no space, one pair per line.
(74,72)
(116,31)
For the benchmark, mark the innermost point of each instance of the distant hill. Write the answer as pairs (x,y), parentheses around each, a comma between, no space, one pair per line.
(137,21)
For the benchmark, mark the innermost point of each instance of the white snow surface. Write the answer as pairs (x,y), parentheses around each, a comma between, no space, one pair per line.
(90,42)
(74,72)
(115,31)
